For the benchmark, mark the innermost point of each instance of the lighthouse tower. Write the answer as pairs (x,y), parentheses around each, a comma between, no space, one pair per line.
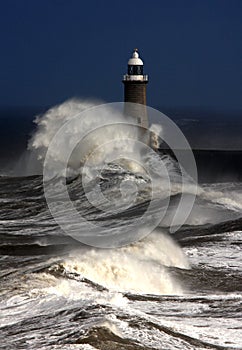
(135,83)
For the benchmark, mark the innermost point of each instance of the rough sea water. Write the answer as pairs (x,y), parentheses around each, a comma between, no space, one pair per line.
(179,290)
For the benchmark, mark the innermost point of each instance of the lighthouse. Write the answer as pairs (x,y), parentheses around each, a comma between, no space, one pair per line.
(135,83)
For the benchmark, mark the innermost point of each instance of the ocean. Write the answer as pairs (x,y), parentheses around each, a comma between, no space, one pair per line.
(118,279)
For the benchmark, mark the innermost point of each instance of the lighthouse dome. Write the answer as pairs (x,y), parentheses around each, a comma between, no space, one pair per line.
(135,60)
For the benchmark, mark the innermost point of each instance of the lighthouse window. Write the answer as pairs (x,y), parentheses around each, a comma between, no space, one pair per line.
(130,70)
(135,70)
(139,70)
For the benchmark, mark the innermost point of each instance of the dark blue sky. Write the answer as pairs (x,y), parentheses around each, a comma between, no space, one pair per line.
(52,50)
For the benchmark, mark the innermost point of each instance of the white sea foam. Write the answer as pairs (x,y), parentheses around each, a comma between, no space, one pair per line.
(225,195)
(139,267)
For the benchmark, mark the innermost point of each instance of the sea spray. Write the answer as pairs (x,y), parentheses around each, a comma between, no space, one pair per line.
(87,132)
